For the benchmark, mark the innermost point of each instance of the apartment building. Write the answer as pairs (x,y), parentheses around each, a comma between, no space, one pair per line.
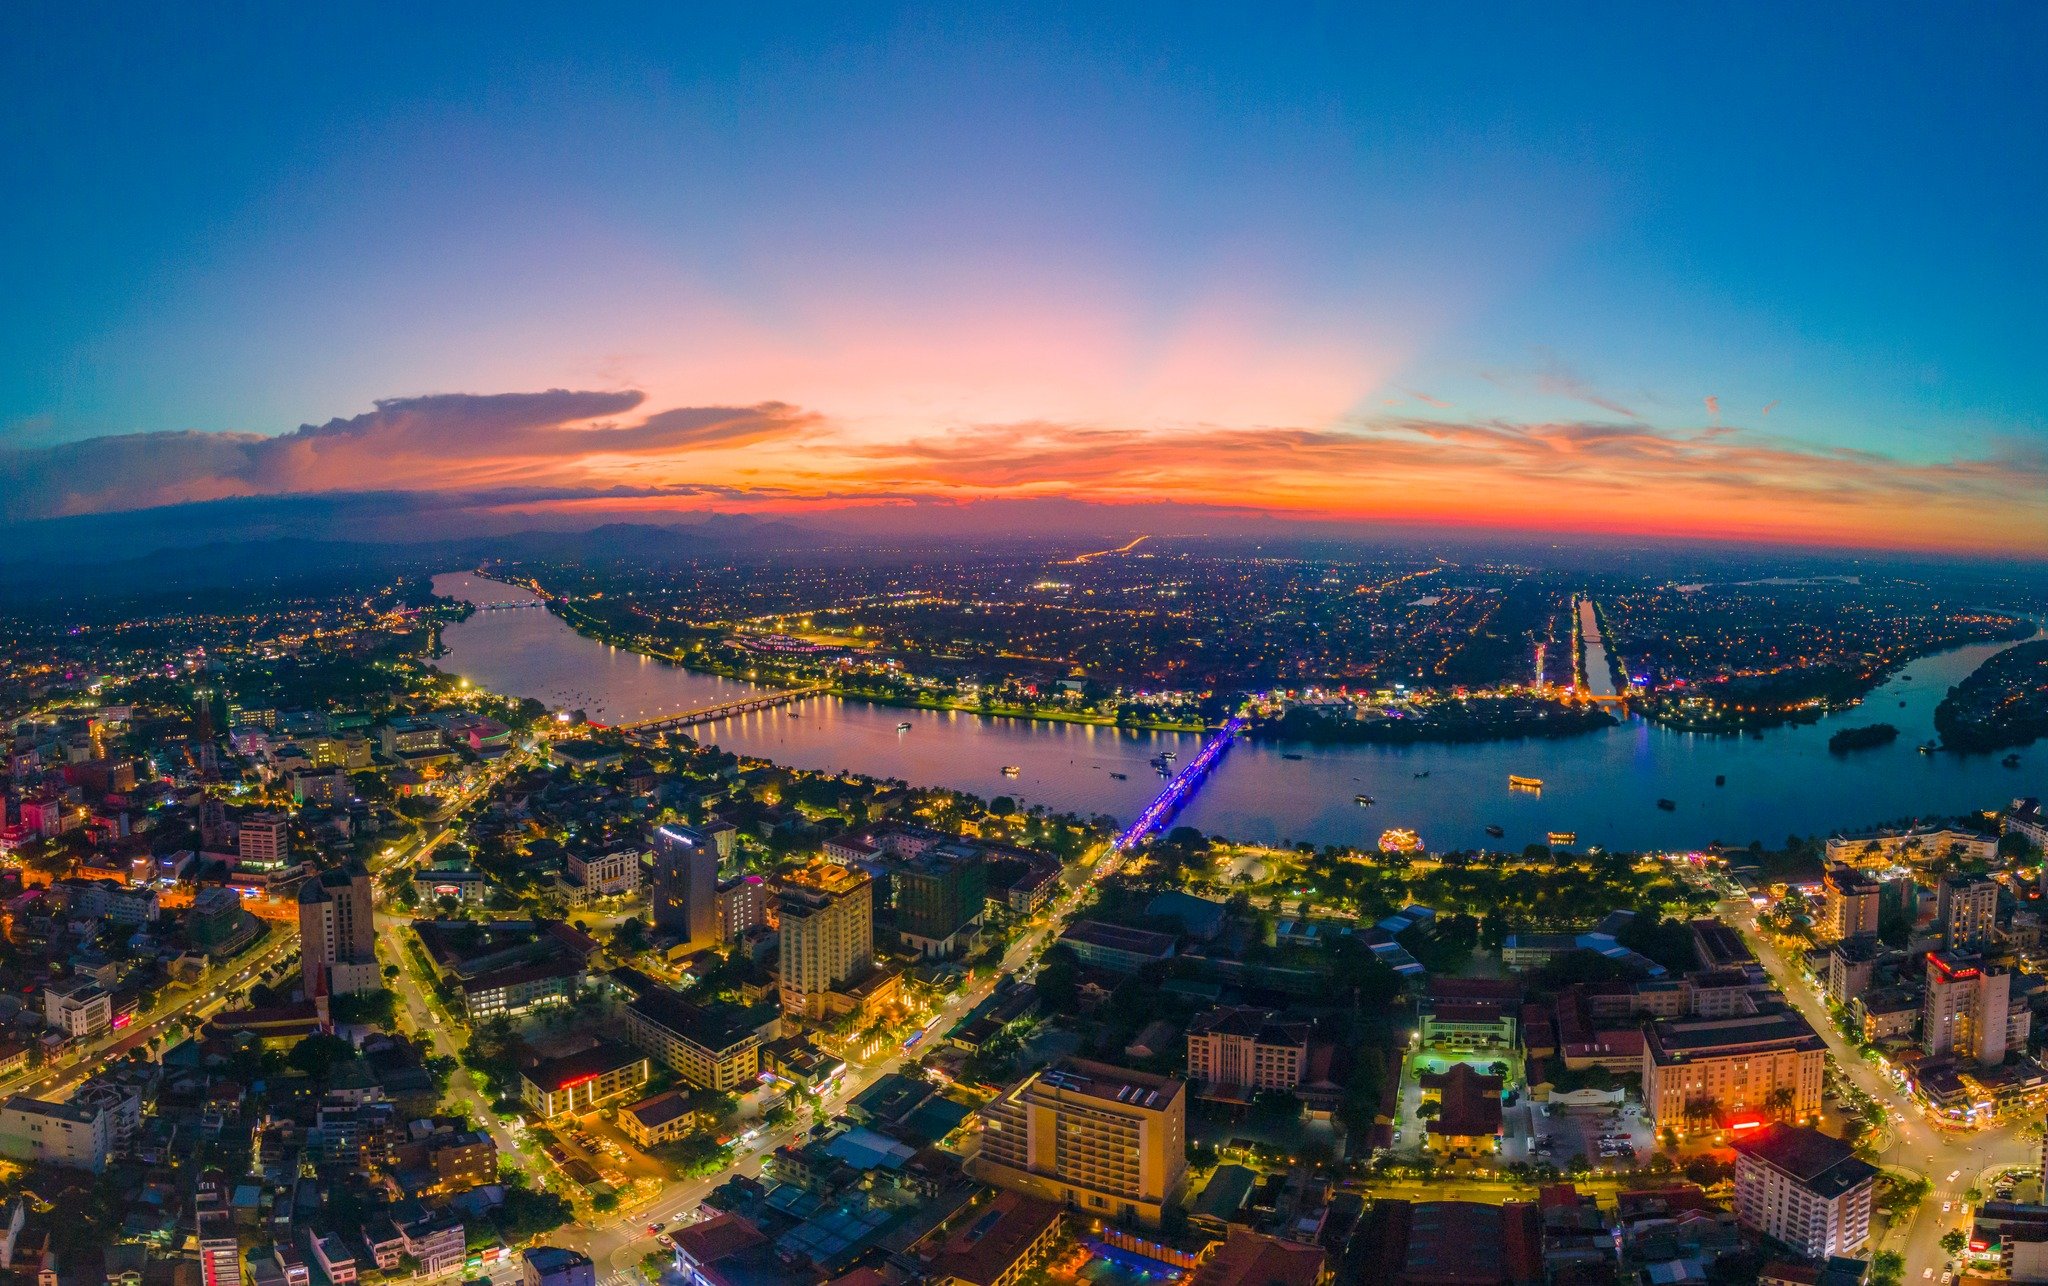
(1966,911)
(1803,1188)
(70,1135)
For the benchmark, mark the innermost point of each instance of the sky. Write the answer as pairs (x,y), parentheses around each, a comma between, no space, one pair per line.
(1749,272)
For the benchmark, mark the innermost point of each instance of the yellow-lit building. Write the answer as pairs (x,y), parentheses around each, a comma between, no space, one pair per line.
(1108,1141)
(827,933)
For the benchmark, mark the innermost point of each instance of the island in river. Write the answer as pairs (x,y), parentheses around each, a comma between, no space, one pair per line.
(1863,737)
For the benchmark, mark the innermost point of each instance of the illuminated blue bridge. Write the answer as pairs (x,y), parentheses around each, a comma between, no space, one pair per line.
(1178,791)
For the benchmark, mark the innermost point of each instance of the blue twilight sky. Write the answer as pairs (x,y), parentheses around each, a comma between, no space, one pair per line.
(968,250)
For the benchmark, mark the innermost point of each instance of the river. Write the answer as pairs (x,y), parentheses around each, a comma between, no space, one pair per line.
(1604,786)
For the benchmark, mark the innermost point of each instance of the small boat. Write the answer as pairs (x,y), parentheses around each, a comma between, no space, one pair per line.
(1290,756)
(1012,770)
(1169,754)
(1495,832)
(2011,761)
(1721,779)
(1669,806)
(904,726)
(1927,747)
(1424,773)
(1362,800)
(1118,776)
(1563,839)
(1534,784)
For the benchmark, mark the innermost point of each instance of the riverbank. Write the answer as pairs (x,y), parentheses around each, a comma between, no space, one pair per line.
(1605,785)
(1446,722)
(594,630)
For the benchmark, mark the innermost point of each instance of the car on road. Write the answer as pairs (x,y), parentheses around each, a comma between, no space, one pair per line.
(654,1227)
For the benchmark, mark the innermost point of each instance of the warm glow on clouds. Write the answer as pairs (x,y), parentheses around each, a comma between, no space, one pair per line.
(603,452)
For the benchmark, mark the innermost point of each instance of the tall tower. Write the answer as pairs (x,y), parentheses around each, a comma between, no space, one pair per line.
(338,933)
(685,890)
(827,933)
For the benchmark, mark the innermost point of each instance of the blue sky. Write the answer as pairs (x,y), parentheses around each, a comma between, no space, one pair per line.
(1153,222)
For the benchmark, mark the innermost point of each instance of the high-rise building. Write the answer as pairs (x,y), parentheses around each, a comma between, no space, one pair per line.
(213,1219)
(742,906)
(266,840)
(685,892)
(1967,1010)
(1848,904)
(338,933)
(1104,1140)
(1966,911)
(939,895)
(1803,1188)
(827,933)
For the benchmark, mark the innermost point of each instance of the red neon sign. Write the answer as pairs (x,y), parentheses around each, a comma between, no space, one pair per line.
(1745,1123)
(122,1020)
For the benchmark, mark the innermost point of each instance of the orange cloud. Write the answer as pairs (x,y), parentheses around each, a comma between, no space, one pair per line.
(599,452)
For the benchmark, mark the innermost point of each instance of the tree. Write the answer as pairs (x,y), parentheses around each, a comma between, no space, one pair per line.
(317,1054)
(1779,1103)
(1953,1241)
(1886,1268)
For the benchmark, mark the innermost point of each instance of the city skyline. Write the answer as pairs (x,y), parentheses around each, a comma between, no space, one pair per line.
(1745,275)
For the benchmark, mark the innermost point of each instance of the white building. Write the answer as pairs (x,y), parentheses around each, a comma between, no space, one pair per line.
(79,1008)
(1804,1189)
(61,1134)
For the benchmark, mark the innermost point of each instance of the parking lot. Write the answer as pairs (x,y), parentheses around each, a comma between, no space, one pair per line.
(1540,1132)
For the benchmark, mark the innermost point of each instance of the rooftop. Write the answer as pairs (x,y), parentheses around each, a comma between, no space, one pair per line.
(1671,1040)
(1825,1166)
(1117,937)
(1111,1084)
(993,1239)
(555,1074)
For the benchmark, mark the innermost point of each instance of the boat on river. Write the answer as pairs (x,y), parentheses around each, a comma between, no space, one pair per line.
(1012,770)
(1532,785)
(904,726)
(1495,832)
(1362,800)
(1563,839)
(1668,805)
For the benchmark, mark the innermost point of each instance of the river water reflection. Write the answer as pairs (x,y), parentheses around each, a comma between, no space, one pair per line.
(1603,786)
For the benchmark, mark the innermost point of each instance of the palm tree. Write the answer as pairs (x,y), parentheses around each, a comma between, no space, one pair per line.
(1700,1109)
(1779,1103)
